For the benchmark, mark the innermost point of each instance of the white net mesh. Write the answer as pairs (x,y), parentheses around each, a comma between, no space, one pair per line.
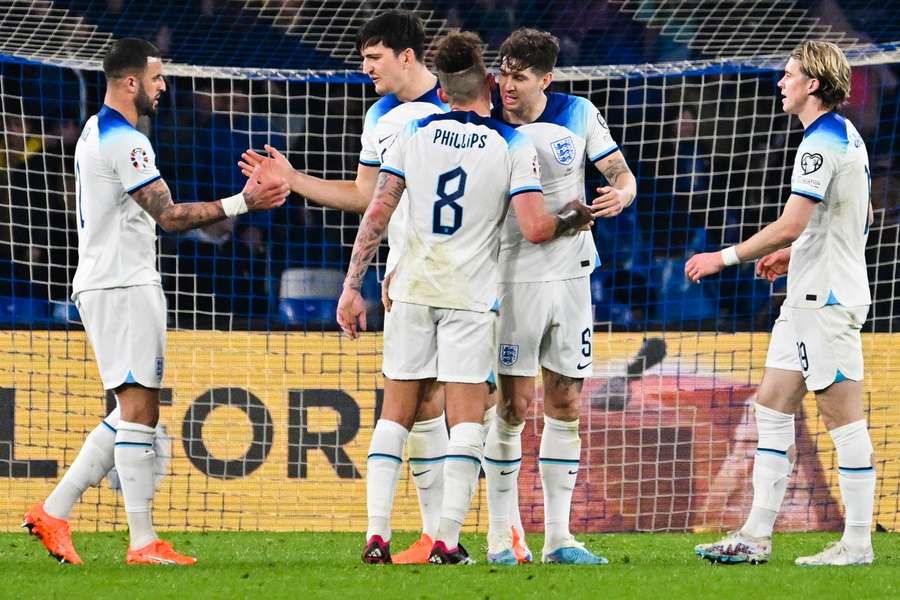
(271,412)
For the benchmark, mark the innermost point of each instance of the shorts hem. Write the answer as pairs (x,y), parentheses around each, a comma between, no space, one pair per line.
(782,366)
(463,379)
(408,376)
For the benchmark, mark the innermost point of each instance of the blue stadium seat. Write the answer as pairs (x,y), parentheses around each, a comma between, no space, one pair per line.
(64,312)
(15,310)
(309,296)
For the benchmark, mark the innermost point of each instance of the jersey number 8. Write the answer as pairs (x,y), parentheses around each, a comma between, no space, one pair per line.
(448,200)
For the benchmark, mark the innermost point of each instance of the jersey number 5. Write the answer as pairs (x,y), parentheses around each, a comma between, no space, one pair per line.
(448,200)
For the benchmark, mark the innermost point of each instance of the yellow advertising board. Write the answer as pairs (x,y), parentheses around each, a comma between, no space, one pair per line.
(270,432)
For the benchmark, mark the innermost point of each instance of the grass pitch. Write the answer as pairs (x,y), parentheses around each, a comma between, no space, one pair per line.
(317,565)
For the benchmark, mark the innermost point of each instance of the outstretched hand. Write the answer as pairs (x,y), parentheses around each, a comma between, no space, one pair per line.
(703,265)
(611,202)
(264,189)
(252,159)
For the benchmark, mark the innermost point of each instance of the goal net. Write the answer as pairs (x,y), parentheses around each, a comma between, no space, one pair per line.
(271,412)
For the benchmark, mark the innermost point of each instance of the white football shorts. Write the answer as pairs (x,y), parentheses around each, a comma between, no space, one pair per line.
(546,324)
(824,344)
(127,330)
(423,342)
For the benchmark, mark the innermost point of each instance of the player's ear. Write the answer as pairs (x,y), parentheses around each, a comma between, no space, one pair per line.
(546,80)
(408,56)
(813,86)
(443,96)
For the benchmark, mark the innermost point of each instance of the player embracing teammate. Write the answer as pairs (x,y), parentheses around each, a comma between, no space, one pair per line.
(546,319)
(461,171)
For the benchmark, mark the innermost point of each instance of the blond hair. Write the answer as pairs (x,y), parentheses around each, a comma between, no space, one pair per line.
(827,63)
(460,66)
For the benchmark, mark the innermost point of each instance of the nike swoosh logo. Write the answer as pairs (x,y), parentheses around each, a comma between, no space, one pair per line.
(385,138)
(580,367)
(159,559)
(575,472)
(508,472)
(421,472)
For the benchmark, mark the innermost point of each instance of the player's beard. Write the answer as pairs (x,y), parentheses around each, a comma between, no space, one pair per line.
(144,103)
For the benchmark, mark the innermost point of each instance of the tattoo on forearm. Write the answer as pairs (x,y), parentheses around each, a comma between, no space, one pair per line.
(388,191)
(615,168)
(156,199)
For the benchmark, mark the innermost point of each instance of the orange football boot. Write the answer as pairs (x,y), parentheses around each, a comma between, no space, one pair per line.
(54,534)
(157,552)
(520,548)
(417,553)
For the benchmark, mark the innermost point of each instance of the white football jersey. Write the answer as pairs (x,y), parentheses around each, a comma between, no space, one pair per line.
(116,237)
(461,171)
(828,260)
(384,120)
(569,131)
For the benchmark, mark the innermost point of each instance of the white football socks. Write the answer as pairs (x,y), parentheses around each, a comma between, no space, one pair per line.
(94,460)
(427,446)
(383,471)
(559,459)
(502,461)
(772,468)
(461,471)
(135,461)
(856,475)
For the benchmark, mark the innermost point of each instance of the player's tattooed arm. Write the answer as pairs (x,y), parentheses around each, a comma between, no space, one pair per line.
(388,190)
(622,188)
(156,199)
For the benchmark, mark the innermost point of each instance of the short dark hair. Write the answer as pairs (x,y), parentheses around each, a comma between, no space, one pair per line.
(128,56)
(397,30)
(460,66)
(530,48)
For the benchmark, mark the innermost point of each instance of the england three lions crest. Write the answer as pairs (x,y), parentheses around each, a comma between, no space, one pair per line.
(564,150)
(509,354)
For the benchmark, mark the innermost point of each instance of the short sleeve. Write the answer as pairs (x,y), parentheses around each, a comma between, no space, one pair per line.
(395,156)
(525,171)
(134,161)
(368,155)
(599,142)
(814,166)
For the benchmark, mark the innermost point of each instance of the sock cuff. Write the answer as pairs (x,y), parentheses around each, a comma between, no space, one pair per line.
(465,438)
(428,425)
(854,449)
(847,433)
(134,434)
(776,433)
(388,440)
(559,425)
(507,429)
(772,415)
(391,427)
(489,415)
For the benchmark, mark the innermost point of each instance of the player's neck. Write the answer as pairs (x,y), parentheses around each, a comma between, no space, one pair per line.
(126,108)
(810,113)
(420,83)
(528,114)
(482,108)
